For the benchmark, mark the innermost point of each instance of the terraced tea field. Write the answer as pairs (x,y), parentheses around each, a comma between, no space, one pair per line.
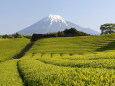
(9,74)
(11,47)
(64,61)
(38,73)
(74,45)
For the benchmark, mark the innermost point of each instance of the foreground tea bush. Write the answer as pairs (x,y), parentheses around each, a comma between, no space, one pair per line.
(11,47)
(9,75)
(103,63)
(37,73)
(96,56)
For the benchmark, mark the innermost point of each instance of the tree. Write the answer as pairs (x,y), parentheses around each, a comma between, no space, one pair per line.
(107,28)
(18,35)
(60,33)
(71,31)
(5,36)
(74,32)
(0,36)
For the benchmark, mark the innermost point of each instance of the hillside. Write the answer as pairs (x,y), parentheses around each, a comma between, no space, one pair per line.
(64,61)
(74,45)
(70,61)
(11,47)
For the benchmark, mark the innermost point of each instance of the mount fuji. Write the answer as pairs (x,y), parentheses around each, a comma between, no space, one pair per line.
(53,23)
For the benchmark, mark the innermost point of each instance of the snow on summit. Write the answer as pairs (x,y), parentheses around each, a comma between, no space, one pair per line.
(53,23)
(57,18)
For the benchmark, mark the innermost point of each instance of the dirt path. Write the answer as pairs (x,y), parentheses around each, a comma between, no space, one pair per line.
(21,54)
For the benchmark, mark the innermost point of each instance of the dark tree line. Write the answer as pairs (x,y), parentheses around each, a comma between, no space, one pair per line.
(74,32)
(12,36)
(66,33)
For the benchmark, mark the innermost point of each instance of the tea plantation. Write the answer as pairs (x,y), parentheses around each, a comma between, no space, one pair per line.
(62,61)
(11,47)
(74,45)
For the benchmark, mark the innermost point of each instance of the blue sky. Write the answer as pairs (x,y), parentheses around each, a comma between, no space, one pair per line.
(19,14)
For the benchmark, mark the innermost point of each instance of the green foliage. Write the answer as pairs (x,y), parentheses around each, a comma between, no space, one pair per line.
(9,75)
(70,61)
(5,36)
(101,63)
(0,36)
(13,36)
(11,47)
(95,56)
(107,28)
(74,45)
(29,37)
(73,32)
(37,73)
(66,33)
(18,35)
(61,61)
(70,31)
(60,33)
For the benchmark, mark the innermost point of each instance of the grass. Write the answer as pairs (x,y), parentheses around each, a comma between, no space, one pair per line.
(11,47)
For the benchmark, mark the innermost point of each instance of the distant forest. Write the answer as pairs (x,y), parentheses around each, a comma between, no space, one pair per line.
(16,35)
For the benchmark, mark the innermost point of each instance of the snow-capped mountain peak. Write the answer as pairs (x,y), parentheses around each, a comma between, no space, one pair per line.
(57,18)
(53,23)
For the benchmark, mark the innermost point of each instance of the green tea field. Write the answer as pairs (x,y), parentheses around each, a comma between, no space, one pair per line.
(75,45)
(61,61)
(11,47)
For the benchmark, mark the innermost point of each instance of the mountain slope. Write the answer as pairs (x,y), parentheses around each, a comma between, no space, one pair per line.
(53,23)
